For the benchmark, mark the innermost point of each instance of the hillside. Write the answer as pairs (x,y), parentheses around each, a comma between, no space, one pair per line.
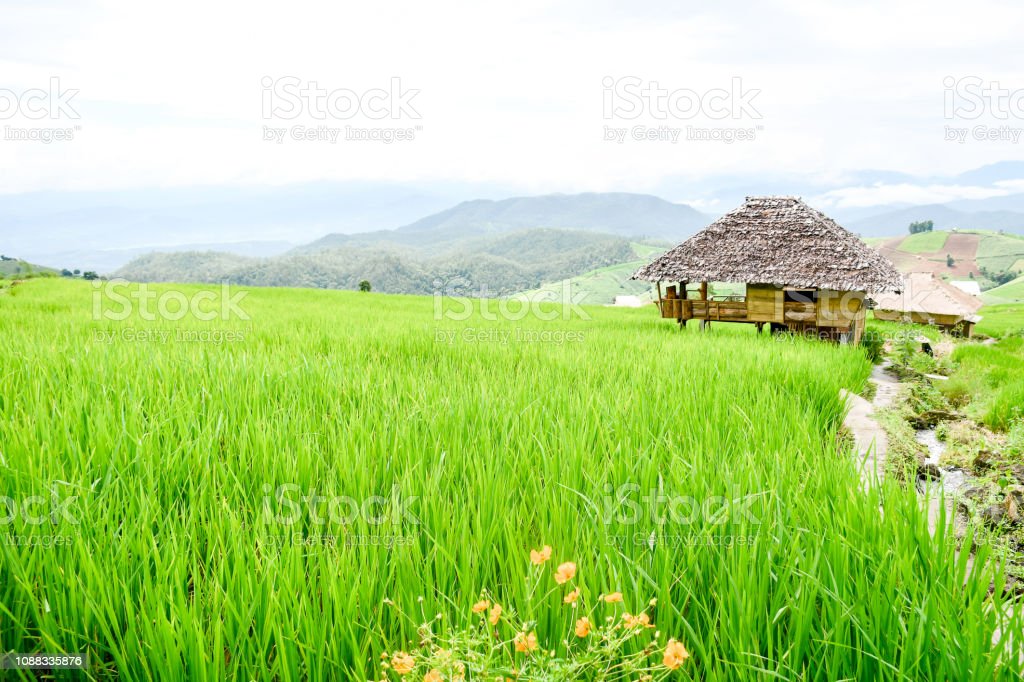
(972,251)
(1011,292)
(499,265)
(15,267)
(597,287)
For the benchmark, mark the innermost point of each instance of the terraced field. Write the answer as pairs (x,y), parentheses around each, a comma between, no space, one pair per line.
(314,484)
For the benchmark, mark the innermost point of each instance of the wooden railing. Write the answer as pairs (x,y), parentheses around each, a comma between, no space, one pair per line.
(727,308)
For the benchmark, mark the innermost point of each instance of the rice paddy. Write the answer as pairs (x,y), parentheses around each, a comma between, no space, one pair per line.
(264,496)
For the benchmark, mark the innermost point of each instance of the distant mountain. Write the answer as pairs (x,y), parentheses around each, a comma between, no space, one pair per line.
(106,261)
(614,213)
(104,230)
(992,173)
(944,217)
(1008,202)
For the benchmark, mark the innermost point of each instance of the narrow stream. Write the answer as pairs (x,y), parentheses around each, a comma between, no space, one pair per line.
(951,481)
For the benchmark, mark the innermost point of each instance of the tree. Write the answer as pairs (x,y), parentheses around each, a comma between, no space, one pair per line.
(949,261)
(999,277)
(65,273)
(89,274)
(364,285)
(76,272)
(921,226)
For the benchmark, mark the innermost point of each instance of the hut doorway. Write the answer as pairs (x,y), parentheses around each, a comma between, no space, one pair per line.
(800,295)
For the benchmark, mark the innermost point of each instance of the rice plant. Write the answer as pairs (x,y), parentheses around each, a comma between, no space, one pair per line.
(185,505)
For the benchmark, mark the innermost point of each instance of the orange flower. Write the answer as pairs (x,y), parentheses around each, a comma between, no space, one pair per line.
(675,654)
(638,621)
(403,663)
(525,643)
(572,596)
(613,598)
(583,627)
(433,676)
(495,614)
(565,572)
(481,606)
(540,557)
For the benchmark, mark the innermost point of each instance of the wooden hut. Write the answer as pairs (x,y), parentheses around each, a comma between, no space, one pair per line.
(926,299)
(800,271)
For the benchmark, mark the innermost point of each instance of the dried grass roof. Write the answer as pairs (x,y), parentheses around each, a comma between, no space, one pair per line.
(923,292)
(776,240)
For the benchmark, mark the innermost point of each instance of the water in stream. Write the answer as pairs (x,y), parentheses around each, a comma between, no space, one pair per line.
(951,481)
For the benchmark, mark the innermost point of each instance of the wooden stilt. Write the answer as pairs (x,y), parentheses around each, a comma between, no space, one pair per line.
(682,295)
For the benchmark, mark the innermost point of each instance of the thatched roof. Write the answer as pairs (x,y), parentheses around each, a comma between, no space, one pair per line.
(776,240)
(925,293)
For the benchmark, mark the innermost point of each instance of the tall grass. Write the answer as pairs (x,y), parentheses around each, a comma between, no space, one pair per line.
(993,375)
(1000,320)
(175,567)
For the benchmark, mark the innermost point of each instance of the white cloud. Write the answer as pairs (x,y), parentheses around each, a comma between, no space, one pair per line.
(882,194)
(511,93)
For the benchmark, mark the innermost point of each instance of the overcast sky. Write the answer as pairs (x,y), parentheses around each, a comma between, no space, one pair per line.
(514,94)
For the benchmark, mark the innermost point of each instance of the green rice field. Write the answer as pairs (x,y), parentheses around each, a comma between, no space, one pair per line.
(242,497)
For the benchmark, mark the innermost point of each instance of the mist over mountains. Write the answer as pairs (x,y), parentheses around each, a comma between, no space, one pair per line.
(105,231)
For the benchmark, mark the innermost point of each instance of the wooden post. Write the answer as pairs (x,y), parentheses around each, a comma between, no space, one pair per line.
(682,295)
(704,324)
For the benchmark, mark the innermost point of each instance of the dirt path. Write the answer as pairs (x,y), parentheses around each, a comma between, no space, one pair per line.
(873,444)
(868,435)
